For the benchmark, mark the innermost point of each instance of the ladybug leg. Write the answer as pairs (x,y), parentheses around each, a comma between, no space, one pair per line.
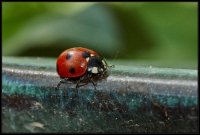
(85,78)
(79,81)
(64,80)
(78,86)
(93,83)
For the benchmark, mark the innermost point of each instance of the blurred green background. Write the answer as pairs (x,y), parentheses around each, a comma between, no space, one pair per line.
(126,32)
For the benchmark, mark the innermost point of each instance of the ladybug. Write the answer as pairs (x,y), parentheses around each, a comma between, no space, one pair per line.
(81,66)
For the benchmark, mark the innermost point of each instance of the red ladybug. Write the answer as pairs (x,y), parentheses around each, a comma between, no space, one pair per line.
(81,66)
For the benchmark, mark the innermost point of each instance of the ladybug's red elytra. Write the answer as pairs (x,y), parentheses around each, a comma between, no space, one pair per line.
(81,66)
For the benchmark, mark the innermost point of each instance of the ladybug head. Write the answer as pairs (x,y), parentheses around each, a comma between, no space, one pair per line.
(97,66)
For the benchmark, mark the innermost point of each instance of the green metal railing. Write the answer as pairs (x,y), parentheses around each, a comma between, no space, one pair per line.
(132,99)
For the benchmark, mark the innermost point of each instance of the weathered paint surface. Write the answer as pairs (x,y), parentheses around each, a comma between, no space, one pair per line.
(130,100)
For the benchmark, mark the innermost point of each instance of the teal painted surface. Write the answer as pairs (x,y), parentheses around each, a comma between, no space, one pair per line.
(28,106)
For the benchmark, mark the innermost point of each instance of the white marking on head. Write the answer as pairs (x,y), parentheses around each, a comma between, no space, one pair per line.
(87,59)
(94,70)
(91,55)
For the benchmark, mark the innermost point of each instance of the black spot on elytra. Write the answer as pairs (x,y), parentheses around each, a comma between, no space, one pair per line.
(85,54)
(68,56)
(72,70)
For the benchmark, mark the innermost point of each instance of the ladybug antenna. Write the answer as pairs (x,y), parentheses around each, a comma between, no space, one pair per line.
(110,66)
